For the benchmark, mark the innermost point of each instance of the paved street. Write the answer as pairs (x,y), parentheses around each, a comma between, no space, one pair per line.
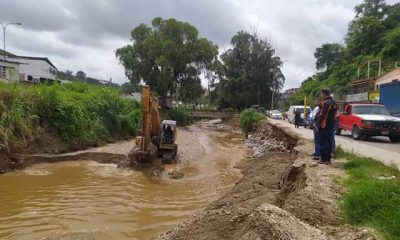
(379,148)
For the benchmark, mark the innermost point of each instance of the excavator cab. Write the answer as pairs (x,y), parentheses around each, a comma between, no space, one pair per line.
(167,147)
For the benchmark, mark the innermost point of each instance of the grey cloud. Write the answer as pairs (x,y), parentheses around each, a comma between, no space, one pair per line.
(97,27)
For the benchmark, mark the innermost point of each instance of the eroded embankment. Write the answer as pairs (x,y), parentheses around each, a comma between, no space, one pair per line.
(115,153)
(50,148)
(283,194)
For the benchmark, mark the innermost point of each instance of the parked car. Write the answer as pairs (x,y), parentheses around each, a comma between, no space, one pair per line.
(275,114)
(369,119)
(299,108)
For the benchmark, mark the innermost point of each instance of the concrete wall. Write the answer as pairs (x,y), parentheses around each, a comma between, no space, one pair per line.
(388,78)
(35,68)
(358,97)
(12,71)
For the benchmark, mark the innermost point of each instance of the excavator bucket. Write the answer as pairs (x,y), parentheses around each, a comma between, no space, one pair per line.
(143,157)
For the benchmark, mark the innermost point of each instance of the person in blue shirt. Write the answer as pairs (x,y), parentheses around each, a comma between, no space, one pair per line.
(325,125)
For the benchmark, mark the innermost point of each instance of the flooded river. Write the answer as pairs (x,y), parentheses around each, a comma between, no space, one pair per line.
(52,199)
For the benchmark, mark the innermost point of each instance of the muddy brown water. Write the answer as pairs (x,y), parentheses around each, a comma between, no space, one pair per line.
(53,199)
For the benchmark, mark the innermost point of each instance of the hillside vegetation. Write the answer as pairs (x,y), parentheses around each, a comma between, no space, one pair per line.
(373,35)
(79,114)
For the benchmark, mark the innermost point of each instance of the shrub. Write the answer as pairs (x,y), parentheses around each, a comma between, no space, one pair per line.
(248,118)
(180,115)
(82,114)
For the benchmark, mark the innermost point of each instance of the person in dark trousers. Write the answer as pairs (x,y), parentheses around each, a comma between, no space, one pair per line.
(325,125)
(297,118)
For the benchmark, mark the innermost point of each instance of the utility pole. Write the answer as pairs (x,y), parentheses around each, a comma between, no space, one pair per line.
(272,100)
(258,93)
(4,26)
(369,62)
(380,67)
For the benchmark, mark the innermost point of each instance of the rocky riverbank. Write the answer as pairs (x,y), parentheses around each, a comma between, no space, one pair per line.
(283,194)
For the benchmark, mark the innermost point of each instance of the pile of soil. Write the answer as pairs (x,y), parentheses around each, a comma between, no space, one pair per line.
(283,194)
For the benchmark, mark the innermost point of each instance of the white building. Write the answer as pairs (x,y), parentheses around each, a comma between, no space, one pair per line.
(35,69)
(9,71)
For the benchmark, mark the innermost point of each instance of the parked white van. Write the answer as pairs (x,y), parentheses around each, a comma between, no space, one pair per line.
(299,108)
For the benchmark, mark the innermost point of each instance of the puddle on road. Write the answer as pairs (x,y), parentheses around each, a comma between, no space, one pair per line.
(52,199)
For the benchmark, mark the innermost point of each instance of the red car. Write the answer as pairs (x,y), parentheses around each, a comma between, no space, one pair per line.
(369,119)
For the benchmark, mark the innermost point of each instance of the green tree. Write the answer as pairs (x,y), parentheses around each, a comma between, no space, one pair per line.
(328,54)
(391,42)
(165,54)
(367,27)
(191,89)
(251,72)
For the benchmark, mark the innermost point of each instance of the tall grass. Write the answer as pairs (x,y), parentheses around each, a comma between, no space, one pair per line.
(248,119)
(373,195)
(81,114)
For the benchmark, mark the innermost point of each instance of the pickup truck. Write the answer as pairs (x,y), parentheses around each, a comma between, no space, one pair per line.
(368,119)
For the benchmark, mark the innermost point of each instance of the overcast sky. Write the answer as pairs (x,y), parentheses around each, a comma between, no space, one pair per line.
(83,34)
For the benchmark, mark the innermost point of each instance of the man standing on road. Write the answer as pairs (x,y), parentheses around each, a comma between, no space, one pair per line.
(325,125)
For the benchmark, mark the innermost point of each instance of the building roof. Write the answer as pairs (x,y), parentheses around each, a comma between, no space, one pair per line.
(7,53)
(362,81)
(35,58)
(392,73)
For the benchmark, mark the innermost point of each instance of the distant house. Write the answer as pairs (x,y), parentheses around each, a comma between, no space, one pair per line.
(362,85)
(386,90)
(360,90)
(35,69)
(9,71)
(390,77)
(137,96)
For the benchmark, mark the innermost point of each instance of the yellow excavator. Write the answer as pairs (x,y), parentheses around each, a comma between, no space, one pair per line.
(157,139)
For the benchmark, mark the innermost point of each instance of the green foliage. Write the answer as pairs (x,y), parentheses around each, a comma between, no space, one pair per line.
(370,201)
(81,114)
(180,115)
(373,34)
(18,119)
(167,54)
(328,54)
(391,42)
(248,119)
(249,74)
